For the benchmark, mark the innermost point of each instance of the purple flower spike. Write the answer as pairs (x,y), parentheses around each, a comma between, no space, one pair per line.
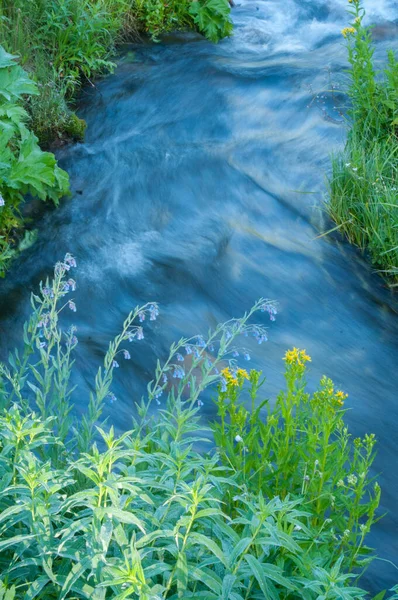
(72,305)
(126,355)
(180,357)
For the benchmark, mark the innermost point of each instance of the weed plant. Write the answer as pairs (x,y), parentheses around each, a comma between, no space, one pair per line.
(280,509)
(364,179)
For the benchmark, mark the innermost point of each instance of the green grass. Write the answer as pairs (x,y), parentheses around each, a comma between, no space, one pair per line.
(364,179)
(278,506)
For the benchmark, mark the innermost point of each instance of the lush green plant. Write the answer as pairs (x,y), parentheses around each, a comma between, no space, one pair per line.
(364,182)
(88,514)
(24,167)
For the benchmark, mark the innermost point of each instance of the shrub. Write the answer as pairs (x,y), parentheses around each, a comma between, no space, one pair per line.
(364,183)
(85,513)
(24,167)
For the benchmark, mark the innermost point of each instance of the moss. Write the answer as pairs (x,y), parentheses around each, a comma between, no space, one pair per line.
(75,127)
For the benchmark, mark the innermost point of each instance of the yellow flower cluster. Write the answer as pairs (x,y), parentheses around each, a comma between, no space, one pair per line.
(236,378)
(340,397)
(347,30)
(296,357)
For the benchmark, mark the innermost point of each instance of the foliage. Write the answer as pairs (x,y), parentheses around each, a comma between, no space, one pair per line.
(364,183)
(24,167)
(85,513)
(212,18)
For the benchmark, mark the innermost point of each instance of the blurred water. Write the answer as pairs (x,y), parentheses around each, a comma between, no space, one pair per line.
(200,186)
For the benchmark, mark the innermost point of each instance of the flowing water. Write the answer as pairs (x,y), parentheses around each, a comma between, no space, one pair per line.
(200,186)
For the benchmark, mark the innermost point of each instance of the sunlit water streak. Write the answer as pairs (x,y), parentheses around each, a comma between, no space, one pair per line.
(199,186)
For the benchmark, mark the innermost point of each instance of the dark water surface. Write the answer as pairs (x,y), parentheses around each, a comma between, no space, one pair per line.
(199,186)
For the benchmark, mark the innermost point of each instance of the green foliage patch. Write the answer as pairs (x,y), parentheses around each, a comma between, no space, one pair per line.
(279,509)
(364,180)
(24,167)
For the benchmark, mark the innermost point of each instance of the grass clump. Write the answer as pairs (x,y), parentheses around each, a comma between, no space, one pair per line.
(280,509)
(364,179)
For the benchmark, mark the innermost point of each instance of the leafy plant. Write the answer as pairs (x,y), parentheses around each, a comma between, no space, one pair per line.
(24,167)
(211,17)
(363,184)
(88,514)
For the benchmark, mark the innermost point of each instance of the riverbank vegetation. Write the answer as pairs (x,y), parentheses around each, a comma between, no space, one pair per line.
(279,509)
(60,46)
(364,179)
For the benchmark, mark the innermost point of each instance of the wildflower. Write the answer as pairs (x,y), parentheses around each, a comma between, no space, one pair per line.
(355,169)
(340,483)
(112,397)
(158,392)
(188,349)
(74,341)
(208,363)
(238,439)
(229,378)
(347,31)
(42,345)
(69,260)
(180,357)
(179,372)
(141,316)
(210,347)
(153,312)
(200,403)
(140,333)
(235,353)
(72,284)
(296,357)
(228,334)
(261,338)
(72,305)
(242,373)
(201,342)
(115,364)
(126,355)
(352,479)
(164,378)
(196,352)
(297,528)
(2,201)
(348,165)
(223,384)
(246,356)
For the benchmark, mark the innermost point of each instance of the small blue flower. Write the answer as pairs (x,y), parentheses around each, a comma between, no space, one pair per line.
(188,349)
(180,357)
(2,201)
(141,316)
(164,378)
(179,372)
(201,342)
(210,347)
(115,364)
(112,397)
(223,384)
(72,306)
(153,312)
(228,335)
(246,356)
(42,345)
(200,403)
(140,333)
(69,260)
(126,354)
(235,353)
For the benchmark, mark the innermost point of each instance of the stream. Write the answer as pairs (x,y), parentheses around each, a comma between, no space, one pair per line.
(200,185)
